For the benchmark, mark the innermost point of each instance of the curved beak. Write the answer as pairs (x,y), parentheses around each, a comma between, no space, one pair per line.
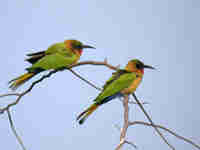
(149,67)
(88,46)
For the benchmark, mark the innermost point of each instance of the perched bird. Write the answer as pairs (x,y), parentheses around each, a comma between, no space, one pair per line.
(57,56)
(123,82)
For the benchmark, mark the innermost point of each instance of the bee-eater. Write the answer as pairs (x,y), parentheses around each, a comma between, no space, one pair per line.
(123,82)
(57,56)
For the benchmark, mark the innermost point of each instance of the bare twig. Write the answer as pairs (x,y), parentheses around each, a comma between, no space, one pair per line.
(132,102)
(2,110)
(14,130)
(20,95)
(104,63)
(130,143)
(125,141)
(125,125)
(166,129)
(122,142)
(83,79)
(10,94)
(126,118)
(150,120)
(125,104)
(143,103)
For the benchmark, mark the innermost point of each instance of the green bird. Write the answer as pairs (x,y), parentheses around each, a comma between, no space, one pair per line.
(57,56)
(123,82)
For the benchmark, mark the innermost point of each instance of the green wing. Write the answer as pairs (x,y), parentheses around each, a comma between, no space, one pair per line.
(56,56)
(115,76)
(55,48)
(119,81)
(53,61)
(58,48)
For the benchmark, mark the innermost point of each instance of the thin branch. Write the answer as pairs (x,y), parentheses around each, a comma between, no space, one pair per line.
(132,102)
(122,142)
(166,129)
(83,79)
(99,63)
(125,124)
(20,95)
(14,130)
(10,94)
(125,104)
(126,118)
(130,143)
(143,103)
(123,129)
(125,141)
(2,110)
(150,120)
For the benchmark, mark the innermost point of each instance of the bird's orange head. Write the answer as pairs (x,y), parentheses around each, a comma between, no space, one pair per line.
(76,46)
(137,66)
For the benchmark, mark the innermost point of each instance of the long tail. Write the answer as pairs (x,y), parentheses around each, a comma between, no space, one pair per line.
(84,115)
(15,83)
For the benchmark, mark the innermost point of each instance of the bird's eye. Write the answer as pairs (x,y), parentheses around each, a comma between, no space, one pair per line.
(78,46)
(138,66)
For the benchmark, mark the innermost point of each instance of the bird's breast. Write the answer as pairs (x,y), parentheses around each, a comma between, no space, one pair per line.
(78,53)
(133,86)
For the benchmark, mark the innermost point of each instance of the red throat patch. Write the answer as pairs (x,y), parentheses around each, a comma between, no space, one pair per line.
(80,52)
(142,70)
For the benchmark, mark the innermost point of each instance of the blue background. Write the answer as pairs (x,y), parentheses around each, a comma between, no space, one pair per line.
(164,34)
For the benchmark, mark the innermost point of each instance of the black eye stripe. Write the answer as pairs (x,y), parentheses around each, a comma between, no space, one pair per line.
(77,46)
(139,66)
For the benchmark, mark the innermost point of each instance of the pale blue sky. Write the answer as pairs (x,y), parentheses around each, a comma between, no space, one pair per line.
(164,34)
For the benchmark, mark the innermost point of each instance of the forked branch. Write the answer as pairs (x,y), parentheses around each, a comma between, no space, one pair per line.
(125,101)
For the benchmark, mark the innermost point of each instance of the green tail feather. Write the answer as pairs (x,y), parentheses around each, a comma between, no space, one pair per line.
(84,115)
(15,83)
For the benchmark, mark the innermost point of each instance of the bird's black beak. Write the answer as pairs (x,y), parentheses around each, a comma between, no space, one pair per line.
(149,67)
(88,46)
